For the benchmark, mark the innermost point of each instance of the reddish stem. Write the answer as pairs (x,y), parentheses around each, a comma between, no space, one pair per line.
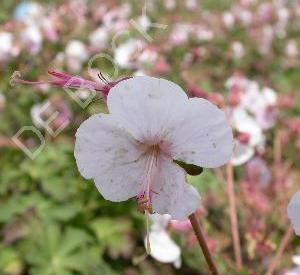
(233,216)
(199,234)
(283,244)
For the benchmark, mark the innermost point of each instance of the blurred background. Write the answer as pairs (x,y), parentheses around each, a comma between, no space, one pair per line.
(242,55)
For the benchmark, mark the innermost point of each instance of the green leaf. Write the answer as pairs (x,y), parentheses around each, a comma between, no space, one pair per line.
(54,251)
(113,234)
(191,169)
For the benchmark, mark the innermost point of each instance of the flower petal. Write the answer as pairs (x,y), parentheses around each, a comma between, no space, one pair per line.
(146,106)
(293,212)
(163,248)
(203,137)
(241,153)
(106,153)
(171,194)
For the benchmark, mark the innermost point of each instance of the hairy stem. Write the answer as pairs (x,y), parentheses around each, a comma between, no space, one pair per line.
(233,217)
(199,234)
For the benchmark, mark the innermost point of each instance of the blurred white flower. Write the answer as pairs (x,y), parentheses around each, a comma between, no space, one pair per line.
(180,34)
(244,123)
(291,49)
(228,19)
(261,104)
(293,211)
(130,152)
(247,126)
(51,115)
(126,53)
(191,5)
(266,39)
(7,48)
(29,12)
(241,153)
(98,38)
(237,49)
(32,39)
(170,4)
(36,114)
(2,102)
(163,248)
(116,19)
(245,16)
(48,27)
(76,53)
(147,57)
(203,33)
(144,22)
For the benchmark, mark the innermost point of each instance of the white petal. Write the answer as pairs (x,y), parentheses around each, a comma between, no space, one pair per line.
(293,271)
(241,153)
(159,222)
(146,106)
(163,248)
(293,211)
(245,123)
(296,259)
(171,194)
(105,152)
(203,136)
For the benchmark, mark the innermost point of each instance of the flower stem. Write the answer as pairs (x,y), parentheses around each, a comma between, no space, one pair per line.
(282,246)
(199,234)
(233,217)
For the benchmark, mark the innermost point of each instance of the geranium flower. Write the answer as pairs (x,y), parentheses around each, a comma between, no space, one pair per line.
(293,212)
(130,152)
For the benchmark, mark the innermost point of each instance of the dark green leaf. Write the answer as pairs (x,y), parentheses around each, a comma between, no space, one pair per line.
(191,169)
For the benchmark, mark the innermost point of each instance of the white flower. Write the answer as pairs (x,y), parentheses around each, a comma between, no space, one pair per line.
(291,49)
(125,52)
(29,12)
(242,153)
(163,248)
(7,48)
(203,34)
(238,49)
(76,54)
(228,19)
(144,22)
(32,38)
(293,212)
(246,124)
(170,4)
(130,152)
(147,57)
(98,38)
(191,4)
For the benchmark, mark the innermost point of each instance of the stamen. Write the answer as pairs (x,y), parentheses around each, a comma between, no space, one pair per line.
(101,76)
(144,197)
